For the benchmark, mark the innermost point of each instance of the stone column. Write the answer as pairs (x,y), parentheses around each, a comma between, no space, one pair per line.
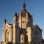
(29,35)
(10,35)
(3,36)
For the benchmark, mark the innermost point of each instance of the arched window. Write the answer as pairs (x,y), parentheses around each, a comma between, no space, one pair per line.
(6,35)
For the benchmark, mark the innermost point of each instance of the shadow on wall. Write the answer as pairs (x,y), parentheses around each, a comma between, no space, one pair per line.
(9,43)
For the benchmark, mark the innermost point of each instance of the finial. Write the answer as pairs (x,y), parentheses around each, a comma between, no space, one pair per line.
(15,14)
(24,5)
(5,20)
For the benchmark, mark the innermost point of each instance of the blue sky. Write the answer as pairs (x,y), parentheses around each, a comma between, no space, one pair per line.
(9,7)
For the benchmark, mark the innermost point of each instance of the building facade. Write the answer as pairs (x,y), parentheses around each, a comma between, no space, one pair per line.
(22,30)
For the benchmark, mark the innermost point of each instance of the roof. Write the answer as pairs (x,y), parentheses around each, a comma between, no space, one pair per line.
(23,13)
(34,26)
(10,24)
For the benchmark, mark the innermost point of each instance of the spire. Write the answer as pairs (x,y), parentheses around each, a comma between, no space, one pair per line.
(24,5)
(5,21)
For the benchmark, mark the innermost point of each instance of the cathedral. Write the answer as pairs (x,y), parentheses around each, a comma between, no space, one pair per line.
(22,30)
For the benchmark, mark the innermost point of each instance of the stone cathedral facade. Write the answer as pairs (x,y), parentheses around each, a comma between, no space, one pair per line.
(22,30)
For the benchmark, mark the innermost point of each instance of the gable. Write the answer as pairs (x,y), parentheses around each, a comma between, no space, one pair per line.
(36,33)
(36,27)
(6,26)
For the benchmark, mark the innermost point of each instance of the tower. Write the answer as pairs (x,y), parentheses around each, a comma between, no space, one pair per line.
(25,18)
(25,22)
(15,29)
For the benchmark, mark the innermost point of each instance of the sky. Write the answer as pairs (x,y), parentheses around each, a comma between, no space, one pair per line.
(34,7)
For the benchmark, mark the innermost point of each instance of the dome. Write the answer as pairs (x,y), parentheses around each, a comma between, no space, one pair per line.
(24,11)
(23,14)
